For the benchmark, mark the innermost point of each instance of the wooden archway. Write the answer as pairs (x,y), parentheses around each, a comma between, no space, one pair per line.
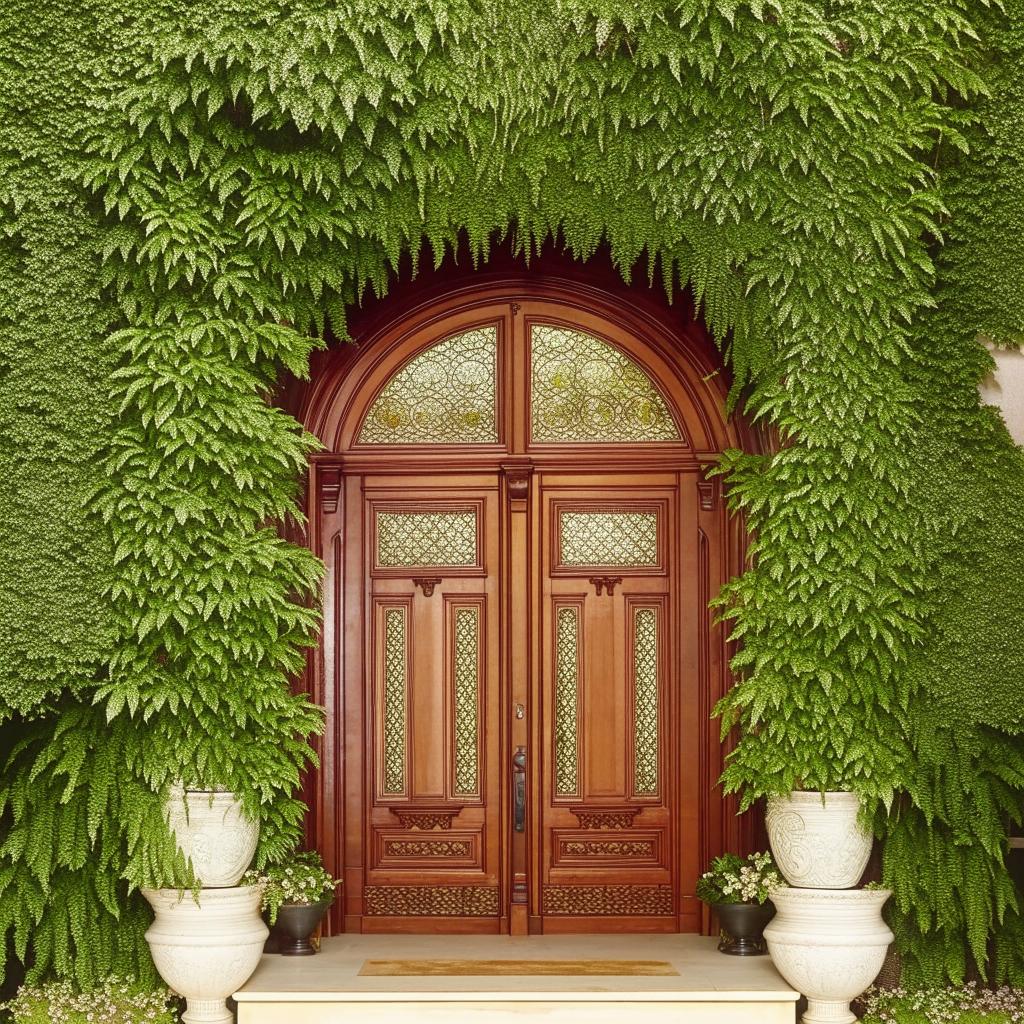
(360,833)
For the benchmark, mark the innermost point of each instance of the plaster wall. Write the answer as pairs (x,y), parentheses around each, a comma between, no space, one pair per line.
(1004,387)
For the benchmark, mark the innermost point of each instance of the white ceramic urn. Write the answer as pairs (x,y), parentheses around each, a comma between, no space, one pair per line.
(214,833)
(816,840)
(205,951)
(828,944)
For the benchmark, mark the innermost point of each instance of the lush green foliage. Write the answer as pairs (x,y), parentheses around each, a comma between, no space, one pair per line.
(297,878)
(967,1005)
(114,1001)
(731,879)
(795,162)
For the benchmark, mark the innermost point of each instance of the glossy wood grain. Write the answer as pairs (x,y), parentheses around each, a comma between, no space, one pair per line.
(570,869)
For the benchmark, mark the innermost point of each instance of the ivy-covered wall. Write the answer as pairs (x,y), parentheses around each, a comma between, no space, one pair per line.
(190,191)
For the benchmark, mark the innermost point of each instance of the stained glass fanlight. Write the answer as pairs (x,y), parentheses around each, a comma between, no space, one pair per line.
(584,389)
(445,395)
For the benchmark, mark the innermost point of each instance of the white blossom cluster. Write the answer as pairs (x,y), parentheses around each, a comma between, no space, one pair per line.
(944,1005)
(301,880)
(734,880)
(116,1001)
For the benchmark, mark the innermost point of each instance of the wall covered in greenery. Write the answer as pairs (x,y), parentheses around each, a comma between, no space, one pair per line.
(191,191)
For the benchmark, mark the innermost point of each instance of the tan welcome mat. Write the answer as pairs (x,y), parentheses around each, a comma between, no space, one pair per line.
(499,968)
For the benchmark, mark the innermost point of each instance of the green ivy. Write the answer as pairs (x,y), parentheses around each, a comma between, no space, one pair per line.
(236,178)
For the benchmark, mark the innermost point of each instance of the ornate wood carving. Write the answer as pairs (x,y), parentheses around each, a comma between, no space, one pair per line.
(608,900)
(608,847)
(605,817)
(427,584)
(708,491)
(431,900)
(518,480)
(447,477)
(330,487)
(427,848)
(425,819)
(608,583)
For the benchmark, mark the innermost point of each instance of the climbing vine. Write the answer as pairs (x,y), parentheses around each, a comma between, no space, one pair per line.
(238,179)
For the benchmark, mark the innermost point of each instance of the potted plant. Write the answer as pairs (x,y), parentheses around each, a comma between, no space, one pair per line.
(739,890)
(296,895)
(818,839)
(212,831)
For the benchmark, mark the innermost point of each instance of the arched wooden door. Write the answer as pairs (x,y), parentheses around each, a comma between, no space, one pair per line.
(517,649)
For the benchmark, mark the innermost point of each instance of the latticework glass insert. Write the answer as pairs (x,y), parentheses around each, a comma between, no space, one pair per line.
(608,538)
(395,686)
(567,642)
(645,711)
(467,699)
(445,395)
(584,389)
(426,539)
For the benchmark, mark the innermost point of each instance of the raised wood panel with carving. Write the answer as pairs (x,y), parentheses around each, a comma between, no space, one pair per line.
(608,682)
(434,736)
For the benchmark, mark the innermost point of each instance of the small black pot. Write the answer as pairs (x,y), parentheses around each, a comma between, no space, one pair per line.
(295,923)
(743,925)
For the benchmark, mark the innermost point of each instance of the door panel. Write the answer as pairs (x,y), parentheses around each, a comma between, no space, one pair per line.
(433,828)
(605,843)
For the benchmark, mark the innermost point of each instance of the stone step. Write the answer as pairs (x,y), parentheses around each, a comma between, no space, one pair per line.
(450,979)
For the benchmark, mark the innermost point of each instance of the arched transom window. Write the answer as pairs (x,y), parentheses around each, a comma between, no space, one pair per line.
(582,390)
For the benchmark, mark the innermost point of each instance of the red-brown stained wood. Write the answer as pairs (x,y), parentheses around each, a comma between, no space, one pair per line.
(582,868)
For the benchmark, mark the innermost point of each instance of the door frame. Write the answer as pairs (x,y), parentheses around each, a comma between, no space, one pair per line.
(325,404)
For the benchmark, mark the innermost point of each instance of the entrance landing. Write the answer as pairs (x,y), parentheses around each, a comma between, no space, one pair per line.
(473,979)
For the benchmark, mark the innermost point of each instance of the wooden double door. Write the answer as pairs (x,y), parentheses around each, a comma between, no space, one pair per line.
(521,543)
(525,731)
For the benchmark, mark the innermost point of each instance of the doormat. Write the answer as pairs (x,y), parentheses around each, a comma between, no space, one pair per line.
(510,968)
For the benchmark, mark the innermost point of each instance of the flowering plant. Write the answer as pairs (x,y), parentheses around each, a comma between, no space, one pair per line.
(115,1001)
(735,880)
(943,1005)
(301,879)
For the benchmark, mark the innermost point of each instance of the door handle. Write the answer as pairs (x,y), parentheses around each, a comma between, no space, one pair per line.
(519,789)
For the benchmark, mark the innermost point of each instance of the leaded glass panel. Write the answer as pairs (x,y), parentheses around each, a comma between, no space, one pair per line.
(645,711)
(426,539)
(584,389)
(445,395)
(467,703)
(608,538)
(567,628)
(395,686)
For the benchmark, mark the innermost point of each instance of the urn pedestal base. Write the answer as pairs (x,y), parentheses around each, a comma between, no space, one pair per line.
(830,945)
(206,950)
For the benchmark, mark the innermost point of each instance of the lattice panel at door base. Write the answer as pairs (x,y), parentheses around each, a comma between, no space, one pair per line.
(607,900)
(431,900)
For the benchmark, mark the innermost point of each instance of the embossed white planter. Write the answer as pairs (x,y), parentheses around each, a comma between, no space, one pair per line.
(828,944)
(206,951)
(214,834)
(818,845)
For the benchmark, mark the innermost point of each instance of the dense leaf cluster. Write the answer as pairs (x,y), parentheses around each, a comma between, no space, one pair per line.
(795,162)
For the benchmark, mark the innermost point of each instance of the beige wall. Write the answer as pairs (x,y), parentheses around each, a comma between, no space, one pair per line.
(1005,388)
